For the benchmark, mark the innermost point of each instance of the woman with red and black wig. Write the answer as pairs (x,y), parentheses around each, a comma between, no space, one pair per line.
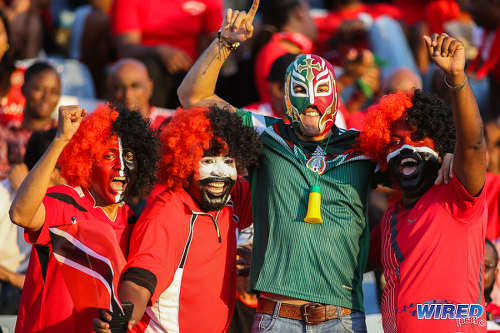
(105,158)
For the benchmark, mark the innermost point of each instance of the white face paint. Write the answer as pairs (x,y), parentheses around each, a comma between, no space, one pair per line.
(217,166)
(121,172)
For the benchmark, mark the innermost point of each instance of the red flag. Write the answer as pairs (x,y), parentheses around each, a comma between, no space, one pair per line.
(91,261)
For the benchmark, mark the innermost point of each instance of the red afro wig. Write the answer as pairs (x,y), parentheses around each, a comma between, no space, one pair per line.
(185,139)
(376,136)
(89,141)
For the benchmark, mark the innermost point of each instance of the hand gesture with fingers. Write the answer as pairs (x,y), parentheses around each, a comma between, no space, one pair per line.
(238,26)
(70,118)
(447,52)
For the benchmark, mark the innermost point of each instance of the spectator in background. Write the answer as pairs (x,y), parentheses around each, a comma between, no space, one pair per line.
(11,97)
(167,36)
(92,42)
(486,13)
(490,276)
(275,83)
(287,28)
(42,90)
(33,32)
(14,250)
(129,84)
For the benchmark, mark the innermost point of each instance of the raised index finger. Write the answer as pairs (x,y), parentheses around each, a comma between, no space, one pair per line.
(253,9)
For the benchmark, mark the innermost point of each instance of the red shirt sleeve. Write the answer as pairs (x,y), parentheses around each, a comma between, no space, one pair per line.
(125,16)
(461,204)
(56,213)
(213,16)
(242,203)
(153,245)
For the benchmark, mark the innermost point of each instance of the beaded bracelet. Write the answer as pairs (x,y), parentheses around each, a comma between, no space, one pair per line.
(228,45)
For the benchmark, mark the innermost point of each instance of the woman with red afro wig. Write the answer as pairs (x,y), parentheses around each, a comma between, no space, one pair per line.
(105,157)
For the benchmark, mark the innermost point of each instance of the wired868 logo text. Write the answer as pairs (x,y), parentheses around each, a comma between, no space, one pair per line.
(464,314)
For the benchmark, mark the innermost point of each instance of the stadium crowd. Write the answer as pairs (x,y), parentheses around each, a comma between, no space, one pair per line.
(246,165)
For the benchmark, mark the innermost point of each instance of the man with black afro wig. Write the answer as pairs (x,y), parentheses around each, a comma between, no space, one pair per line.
(430,230)
(182,260)
(104,158)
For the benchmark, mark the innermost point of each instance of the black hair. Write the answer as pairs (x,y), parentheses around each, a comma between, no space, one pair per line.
(275,15)
(434,119)
(495,252)
(138,137)
(243,142)
(37,68)
(37,145)
(7,64)
(279,67)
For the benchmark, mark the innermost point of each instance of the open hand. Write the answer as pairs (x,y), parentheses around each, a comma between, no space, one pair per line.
(70,118)
(238,26)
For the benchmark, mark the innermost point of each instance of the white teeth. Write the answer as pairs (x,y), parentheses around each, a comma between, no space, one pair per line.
(408,159)
(216,184)
(120,179)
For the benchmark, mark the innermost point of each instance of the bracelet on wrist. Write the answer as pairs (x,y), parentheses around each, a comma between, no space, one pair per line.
(225,43)
(456,88)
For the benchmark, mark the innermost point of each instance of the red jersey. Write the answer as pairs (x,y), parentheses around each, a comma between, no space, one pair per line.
(187,260)
(177,23)
(12,105)
(46,304)
(492,189)
(328,25)
(274,49)
(433,253)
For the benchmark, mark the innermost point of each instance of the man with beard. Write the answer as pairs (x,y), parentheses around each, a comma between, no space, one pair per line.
(105,158)
(432,238)
(181,270)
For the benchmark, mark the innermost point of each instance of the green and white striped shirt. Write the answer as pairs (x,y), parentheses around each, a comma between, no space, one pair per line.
(315,262)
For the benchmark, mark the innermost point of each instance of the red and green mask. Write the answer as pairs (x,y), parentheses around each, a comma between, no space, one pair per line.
(310,82)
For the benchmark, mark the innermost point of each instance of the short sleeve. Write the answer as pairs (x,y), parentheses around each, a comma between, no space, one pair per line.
(242,203)
(55,214)
(125,16)
(153,257)
(213,16)
(461,204)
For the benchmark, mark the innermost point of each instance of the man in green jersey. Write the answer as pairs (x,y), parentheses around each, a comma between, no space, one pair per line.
(307,274)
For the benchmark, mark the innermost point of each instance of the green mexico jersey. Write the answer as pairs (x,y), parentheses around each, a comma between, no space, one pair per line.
(316,262)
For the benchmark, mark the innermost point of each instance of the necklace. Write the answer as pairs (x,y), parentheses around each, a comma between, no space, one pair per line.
(317,164)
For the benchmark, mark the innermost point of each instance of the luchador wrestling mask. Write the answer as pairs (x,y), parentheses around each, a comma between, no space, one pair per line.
(217,175)
(310,84)
(112,172)
(412,164)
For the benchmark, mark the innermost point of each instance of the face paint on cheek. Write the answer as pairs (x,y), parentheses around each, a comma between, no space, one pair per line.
(108,181)
(217,175)
(121,171)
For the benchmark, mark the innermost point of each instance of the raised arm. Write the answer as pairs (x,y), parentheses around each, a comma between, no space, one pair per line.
(470,148)
(27,210)
(198,87)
